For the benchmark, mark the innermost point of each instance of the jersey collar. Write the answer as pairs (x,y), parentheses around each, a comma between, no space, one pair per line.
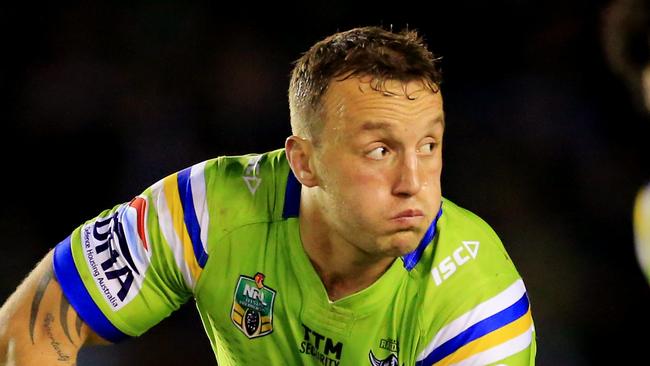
(291,197)
(411,259)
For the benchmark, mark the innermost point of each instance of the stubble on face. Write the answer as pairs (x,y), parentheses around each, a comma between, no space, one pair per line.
(359,195)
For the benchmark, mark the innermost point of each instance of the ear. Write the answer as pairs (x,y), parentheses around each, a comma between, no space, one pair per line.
(300,153)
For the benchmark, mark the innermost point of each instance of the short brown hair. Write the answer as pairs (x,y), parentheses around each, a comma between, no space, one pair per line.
(367,51)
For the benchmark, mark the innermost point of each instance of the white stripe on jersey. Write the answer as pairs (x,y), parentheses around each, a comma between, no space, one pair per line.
(483,310)
(501,351)
(197,182)
(167,228)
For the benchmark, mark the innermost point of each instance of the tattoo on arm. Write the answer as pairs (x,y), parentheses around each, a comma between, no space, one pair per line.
(56,345)
(63,315)
(77,326)
(63,309)
(38,297)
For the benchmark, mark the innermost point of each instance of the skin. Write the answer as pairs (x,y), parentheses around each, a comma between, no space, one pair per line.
(37,324)
(371,186)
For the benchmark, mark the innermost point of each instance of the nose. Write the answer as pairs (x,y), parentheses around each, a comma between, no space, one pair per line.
(407,182)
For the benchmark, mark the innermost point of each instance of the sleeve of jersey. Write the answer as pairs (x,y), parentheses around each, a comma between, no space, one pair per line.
(130,267)
(486,319)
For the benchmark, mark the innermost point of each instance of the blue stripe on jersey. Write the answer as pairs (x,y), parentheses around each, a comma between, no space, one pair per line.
(411,259)
(77,295)
(189,215)
(485,326)
(291,197)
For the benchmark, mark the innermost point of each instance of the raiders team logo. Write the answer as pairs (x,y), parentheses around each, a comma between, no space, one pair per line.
(391,360)
(252,306)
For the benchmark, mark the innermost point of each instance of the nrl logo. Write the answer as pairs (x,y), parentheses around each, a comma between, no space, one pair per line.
(252,306)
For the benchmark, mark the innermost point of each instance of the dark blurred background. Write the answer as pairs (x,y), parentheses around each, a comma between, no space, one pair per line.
(543,140)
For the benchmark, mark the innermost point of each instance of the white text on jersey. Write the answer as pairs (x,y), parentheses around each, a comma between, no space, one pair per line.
(450,264)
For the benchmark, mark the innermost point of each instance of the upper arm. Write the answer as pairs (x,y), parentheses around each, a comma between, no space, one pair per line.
(119,271)
(38,325)
(133,265)
(118,274)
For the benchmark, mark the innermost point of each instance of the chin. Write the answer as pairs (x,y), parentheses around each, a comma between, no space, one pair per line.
(402,244)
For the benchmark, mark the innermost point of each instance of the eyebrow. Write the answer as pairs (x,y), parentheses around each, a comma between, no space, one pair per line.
(378,125)
(371,125)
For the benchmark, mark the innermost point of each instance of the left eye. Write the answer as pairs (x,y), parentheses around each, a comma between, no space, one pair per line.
(427,148)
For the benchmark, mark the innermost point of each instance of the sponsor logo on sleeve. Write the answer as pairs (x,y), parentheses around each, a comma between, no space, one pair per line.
(252,306)
(117,252)
(466,252)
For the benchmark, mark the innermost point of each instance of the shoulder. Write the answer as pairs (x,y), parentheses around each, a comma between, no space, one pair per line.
(464,247)
(247,173)
(248,165)
(465,265)
(228,191)
(458,221)
(469,285)
(247,189)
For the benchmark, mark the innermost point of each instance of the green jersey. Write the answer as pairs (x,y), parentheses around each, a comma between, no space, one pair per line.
(225,232)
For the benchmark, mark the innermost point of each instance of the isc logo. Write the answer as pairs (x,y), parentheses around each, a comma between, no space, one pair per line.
(460,256)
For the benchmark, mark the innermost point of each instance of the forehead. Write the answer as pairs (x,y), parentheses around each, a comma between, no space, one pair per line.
(353,102)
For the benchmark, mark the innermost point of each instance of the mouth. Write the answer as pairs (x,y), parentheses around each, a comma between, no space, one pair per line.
(408,217)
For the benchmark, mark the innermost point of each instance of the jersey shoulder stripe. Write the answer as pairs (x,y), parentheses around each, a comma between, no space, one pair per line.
(503,350)
(186,178)
(493,322)
(78,296)
(503,342)
(181,224)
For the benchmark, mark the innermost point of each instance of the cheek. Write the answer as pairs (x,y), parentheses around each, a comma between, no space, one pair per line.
(361,189)
(430,192)
(434,172)
(361,181)
(433,168)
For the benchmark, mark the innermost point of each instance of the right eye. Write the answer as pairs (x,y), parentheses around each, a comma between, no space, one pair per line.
(378,153)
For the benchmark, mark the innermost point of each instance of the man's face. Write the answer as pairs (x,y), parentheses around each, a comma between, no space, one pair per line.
(379,161)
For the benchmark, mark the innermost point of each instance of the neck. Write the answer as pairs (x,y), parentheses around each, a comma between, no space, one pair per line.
(343,268)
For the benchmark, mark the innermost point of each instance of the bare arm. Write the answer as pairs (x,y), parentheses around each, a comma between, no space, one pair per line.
(37,324)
